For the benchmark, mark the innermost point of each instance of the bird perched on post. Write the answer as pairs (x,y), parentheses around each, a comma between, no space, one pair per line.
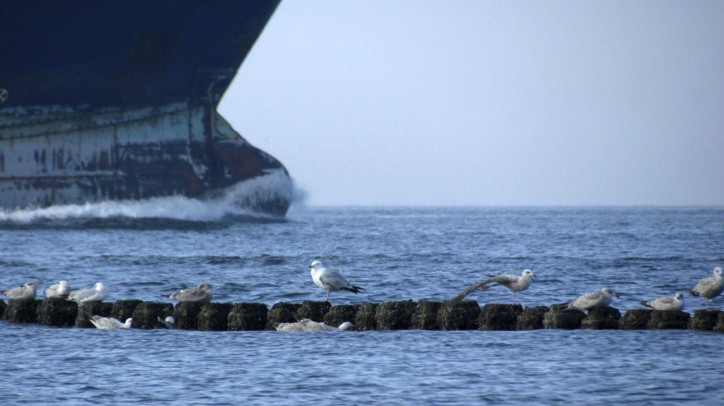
(675,303)
(95,294)
(201,293)
(330,279)
(514,283)
(59,290)
(709,287)
(590,300)
(25,292)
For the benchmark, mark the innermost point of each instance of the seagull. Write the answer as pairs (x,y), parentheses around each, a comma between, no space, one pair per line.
(169,322)
(675,303)
(202,293)
(593,299)
(61,289)
(25,292)
(710,287)
(107,323)
(330,279)
(312,326)
(95,294)
(514,283)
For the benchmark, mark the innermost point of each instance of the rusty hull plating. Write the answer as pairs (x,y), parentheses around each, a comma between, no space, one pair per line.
(117,101)
(132,154)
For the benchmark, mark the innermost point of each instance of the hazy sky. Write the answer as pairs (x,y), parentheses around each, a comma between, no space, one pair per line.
(490,103)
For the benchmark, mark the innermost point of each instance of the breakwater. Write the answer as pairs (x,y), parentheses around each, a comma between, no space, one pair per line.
(396,315)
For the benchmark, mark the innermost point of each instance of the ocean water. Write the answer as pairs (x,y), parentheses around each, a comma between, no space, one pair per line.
(144,250)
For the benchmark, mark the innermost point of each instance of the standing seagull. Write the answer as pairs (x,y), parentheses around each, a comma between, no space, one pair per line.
(61,289)
(514,283)
(202,293)
(95,294)
(25,292)
(710,287)
(675,303)
(330,279)
(107,323)
(590,300)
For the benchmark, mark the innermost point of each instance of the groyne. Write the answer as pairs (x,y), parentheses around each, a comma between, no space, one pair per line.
(395,315)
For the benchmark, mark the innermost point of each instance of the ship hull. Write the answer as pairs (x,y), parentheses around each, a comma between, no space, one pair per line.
(117,100)
(135,154)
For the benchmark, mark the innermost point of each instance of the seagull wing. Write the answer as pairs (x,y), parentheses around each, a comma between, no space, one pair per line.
(505,280)
(480,285)
(334,280)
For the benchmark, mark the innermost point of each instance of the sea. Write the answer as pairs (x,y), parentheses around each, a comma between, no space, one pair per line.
(145,250)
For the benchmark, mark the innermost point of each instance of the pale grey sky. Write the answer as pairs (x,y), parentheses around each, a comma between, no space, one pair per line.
(490,103)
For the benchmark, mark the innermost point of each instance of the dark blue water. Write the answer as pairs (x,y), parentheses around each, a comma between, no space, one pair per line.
(395,253)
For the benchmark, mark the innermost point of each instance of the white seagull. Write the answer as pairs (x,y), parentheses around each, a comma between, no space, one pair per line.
(59,290)
(590,300)
(169,322)
(95,294)
(514,283)
(202,293)
(710,287)
(312,326)
(107,323)
(25,292)
(675,303)
(330,279)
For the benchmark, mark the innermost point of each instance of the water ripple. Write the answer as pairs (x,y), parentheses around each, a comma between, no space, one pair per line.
(395,254)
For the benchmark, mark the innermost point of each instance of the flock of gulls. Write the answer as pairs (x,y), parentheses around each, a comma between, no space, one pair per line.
(332,280)
(708,288)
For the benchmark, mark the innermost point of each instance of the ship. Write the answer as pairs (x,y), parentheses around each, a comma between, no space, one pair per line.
(117,100)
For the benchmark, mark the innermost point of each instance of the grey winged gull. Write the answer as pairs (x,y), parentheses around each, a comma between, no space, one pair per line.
(107,323)
(95,294)
(669,303)
(330,279)
(25,292)
(513,282)
(201,293)
(59,290)
(311,326)
(709,287)
(590,300)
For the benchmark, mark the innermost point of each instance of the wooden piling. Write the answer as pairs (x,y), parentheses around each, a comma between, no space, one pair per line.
(425,316)
(57,312)
(500,316)
(248,316)
(147,314)
(22,310)
(394,315)
(459,316)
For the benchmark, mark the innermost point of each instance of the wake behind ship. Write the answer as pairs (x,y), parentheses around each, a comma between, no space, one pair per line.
(116,100)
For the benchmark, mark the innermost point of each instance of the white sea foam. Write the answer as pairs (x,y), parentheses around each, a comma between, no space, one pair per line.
(237,200)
